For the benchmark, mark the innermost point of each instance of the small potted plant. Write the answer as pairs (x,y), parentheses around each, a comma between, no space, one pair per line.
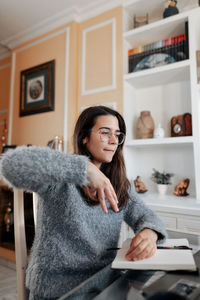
(162,179)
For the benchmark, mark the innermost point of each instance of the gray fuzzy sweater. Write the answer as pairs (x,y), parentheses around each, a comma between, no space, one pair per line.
(72,236)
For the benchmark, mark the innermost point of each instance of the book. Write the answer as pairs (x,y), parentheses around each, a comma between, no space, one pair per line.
(164,259)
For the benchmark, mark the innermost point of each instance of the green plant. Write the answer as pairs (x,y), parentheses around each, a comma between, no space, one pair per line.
(161,178)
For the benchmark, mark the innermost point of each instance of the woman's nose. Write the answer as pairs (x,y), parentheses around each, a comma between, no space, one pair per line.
(113,139)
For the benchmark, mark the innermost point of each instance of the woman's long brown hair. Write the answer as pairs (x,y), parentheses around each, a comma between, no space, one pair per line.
(115,170)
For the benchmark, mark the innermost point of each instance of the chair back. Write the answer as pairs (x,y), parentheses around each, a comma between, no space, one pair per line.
(20,240)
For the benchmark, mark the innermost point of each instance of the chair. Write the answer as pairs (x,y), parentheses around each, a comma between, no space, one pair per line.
(20,240)
(19,228)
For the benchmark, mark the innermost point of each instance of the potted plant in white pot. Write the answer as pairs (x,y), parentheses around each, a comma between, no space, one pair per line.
(162,179)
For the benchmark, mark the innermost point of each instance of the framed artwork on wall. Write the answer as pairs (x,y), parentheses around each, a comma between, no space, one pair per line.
(37,89)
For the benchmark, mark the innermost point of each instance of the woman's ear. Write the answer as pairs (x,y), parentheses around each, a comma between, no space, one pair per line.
(85,140)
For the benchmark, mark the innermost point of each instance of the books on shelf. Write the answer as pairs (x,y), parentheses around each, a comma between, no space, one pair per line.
(164,259)
(159,53)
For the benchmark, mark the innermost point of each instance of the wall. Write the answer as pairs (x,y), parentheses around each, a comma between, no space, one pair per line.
(5,69)
(39,128)
(102,74)
(100,59)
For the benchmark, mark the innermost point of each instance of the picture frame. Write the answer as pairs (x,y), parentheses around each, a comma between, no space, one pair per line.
(37,89)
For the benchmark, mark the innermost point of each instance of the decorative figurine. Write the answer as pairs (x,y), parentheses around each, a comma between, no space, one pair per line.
(140,20)
(181,188)
(139,186)
(171,9)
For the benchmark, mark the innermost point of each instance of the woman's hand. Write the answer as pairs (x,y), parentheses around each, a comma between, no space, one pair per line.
(100,187)
(143,245)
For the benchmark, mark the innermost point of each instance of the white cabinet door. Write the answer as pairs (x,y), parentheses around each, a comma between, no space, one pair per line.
(170,221)
(189,223)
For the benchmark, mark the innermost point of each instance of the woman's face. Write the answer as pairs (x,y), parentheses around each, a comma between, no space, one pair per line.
(101,150)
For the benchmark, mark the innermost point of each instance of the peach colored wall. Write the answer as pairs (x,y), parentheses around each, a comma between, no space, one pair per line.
(73,83)
(98,59)
(5,69)
(38,129)
(98,72)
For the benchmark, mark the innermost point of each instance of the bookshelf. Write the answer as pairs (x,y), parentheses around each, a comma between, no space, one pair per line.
(166,91)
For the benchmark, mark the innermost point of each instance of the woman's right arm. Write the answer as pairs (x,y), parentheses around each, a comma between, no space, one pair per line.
(33,168)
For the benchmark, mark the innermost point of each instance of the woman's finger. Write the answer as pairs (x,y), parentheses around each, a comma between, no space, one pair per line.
(101,198)
(111,199)
(136,249)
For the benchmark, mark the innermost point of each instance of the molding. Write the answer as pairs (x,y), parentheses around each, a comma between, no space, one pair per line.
(12,83)
(112,105)
(4,66)
(60,19)
(113,85)
(4,52)
(41,40)
(66,91)
(65,30)
(41,28)
(129,2)
(95,9)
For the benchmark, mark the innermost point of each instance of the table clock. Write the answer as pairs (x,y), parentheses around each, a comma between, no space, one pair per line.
(181,125)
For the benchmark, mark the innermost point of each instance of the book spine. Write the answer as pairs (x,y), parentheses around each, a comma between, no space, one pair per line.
(176,57)
(186,47)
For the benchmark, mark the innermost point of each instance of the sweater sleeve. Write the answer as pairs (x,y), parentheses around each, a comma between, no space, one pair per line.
(34,168)
(138,216)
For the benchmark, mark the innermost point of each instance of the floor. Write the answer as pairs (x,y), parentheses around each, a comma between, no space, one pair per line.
(8,290)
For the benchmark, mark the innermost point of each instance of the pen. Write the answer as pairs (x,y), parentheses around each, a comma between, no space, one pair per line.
(162,247)
(174,247)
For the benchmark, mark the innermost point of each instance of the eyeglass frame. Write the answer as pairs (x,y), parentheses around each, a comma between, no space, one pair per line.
(110,134)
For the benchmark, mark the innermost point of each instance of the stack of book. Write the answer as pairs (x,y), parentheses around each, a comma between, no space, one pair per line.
(159,53)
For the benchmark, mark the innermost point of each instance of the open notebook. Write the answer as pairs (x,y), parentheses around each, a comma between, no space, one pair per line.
(164,259)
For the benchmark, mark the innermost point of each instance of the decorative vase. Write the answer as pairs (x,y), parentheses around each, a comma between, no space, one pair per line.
(162,188)
(158,132)
(145,125)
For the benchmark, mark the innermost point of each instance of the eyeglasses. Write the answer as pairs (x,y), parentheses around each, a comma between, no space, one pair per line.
(106,134)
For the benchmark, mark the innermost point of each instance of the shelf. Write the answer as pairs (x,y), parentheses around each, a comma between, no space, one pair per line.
(161,141)
(155,8)
(156,31)
(175,72)
(171,203)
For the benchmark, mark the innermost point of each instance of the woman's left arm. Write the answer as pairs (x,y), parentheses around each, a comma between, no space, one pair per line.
(147,226)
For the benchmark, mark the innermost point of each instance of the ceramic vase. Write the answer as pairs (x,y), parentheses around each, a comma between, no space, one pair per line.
(162,189)
(145,125)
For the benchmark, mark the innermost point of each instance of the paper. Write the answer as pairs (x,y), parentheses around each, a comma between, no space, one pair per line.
(164,259)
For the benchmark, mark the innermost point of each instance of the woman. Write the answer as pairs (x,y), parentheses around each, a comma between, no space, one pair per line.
(84,197)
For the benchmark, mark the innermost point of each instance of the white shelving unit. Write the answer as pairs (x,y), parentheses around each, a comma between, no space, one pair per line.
(166,91)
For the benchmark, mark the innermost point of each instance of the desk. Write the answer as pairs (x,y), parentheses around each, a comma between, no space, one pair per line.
(129,285)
